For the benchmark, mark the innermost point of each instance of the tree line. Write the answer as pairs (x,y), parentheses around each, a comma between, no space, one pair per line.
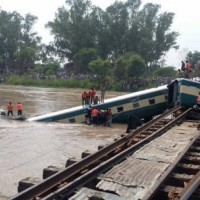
(124,40)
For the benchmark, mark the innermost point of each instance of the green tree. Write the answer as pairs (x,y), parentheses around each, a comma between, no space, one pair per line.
(100,67)
(10,32)
(71,28)
(165,39)
(18,43)
(100,33)
(166,71)
(118,27)
(193,57)
(46,69)
(121,68)
(29,44)
(123,27)
(84,57)
(136,66)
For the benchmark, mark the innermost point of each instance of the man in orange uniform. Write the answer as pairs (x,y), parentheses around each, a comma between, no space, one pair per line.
(19,108)
(188,69)
(83,97)
(95,115)
(10,109)
(88,96)
(92,95)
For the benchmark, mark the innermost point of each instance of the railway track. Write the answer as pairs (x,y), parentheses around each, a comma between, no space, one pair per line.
(182,180)
(63,184)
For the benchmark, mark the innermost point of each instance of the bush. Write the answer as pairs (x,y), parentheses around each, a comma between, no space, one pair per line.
(51,82)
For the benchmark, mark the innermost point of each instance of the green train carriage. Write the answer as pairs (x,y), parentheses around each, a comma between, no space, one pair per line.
(143,104)
(183,92)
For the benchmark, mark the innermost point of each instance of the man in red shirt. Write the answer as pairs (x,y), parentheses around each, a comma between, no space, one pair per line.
(10,109)
(19,108)
(95,115)
(188,69)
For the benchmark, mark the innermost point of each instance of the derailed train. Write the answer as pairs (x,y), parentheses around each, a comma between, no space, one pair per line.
(183,92)
(142,105)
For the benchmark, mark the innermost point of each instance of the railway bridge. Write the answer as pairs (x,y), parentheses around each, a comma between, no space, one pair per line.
(158,160)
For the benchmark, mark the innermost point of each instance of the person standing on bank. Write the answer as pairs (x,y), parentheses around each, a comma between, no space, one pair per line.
(10,109)
(19,108)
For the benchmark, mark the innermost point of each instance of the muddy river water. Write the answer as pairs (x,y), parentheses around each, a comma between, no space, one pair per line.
(28,147)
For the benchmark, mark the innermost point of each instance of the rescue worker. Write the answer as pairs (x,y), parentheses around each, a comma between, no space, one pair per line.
(88,116)
(188,69)
(180,73)
(102,117)
(92,93)
(19,108)
(96,100)
(188,66)
(83,97)
(182,66)
(88,96)
(95,115)
(109,117)
(10,109)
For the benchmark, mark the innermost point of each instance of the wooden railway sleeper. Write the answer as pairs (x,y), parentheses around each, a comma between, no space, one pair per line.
(190,188)
(192,159)
(195,149)
(182,177)
(192,153)
(188,166)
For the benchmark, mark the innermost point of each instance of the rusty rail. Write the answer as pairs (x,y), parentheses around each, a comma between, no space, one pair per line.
(190,188)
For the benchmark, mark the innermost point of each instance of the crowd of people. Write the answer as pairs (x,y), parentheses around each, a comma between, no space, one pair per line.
(94,115)
(99,117)
(90,97)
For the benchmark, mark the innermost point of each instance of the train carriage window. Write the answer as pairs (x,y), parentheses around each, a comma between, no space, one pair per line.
(151,101)
(72,120)
(120,109)
(135,102)
(136,105)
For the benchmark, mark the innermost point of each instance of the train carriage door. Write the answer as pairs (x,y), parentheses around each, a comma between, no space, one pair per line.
(173,94)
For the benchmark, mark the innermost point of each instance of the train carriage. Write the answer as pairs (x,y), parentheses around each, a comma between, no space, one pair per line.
(143,104)
(183,92)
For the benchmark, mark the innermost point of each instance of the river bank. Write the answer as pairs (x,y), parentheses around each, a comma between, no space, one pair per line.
(132,85)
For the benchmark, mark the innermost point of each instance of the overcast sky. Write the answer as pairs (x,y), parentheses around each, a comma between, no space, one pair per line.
(186,20)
